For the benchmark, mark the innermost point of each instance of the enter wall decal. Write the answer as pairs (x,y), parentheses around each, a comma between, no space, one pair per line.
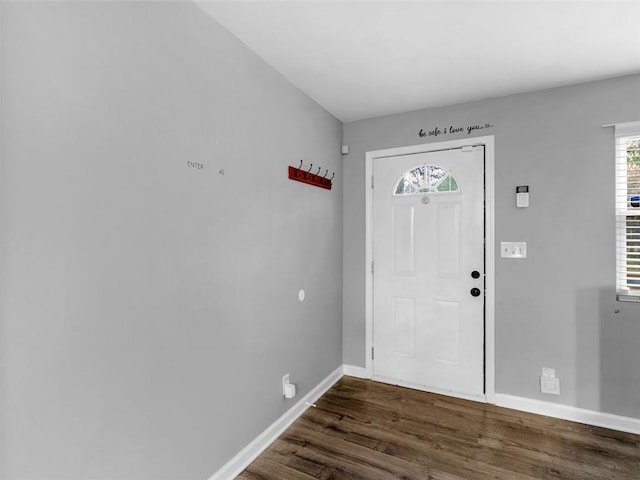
(307,176)
(452,129)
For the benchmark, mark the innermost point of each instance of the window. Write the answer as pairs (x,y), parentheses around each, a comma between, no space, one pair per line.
(426,179)
(628,211)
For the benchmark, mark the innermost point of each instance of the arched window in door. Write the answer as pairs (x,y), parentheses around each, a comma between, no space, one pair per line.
(426,179)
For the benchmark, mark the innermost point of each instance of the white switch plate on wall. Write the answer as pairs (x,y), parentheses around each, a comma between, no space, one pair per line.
(513,249)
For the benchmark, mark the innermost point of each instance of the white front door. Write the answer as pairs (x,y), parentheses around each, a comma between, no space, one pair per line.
(429,270)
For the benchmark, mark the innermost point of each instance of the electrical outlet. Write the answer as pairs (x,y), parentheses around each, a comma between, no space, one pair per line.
(549,372)
(550,385)
(288,388)
(548,381)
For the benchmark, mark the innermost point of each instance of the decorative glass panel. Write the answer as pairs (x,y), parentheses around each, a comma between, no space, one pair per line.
(426,179)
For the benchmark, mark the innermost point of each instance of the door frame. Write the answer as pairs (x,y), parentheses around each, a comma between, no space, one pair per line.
(489,251)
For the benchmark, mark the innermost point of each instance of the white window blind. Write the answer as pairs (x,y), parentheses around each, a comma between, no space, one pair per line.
(628,211)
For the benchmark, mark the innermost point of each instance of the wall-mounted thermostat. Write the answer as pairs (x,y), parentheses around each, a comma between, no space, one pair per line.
(522,196)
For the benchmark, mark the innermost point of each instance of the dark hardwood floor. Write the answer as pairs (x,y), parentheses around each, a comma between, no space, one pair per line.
(367,430)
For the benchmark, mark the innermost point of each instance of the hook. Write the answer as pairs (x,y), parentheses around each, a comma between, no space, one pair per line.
(310,167)
(333,175)
(325,173)
(318,172)
(300,167)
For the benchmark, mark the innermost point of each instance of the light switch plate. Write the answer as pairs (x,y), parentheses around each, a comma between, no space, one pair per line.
(513,249)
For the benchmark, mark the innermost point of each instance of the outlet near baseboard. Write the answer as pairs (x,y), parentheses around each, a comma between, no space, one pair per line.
(548,372)
(288,388)
(548,381)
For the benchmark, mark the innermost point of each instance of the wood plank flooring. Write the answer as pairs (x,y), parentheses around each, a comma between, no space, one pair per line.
(372,431)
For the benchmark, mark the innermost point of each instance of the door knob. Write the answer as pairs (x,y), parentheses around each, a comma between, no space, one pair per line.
(475,292)
(475,274)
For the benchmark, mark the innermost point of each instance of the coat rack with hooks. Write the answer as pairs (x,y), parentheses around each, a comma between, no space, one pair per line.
(307,176)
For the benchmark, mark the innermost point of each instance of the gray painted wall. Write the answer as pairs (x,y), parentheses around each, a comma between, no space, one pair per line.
(149,308)
(556,308)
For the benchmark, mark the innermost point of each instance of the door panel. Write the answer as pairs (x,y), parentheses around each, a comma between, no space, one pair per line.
(447,326)
(402,224)
(447,249)
(403,317)
(428,330)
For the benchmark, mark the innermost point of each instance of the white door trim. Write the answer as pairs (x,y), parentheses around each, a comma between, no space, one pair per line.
(488,142)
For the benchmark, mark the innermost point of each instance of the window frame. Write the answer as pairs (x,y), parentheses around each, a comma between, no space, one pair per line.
(623,210)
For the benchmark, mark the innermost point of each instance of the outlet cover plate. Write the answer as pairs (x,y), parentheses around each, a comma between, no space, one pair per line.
(548,372)
(550,385)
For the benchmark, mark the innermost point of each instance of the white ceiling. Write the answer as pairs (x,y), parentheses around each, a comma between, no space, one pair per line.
(364,59)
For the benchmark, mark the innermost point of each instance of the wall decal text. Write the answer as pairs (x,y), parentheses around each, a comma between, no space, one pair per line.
(197,166)
(446,130)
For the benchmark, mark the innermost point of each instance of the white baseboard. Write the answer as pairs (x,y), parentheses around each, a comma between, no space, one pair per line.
(248,454)
(353,371)
(566,412)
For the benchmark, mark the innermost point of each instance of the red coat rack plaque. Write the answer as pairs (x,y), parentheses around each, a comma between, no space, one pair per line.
(305,176)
